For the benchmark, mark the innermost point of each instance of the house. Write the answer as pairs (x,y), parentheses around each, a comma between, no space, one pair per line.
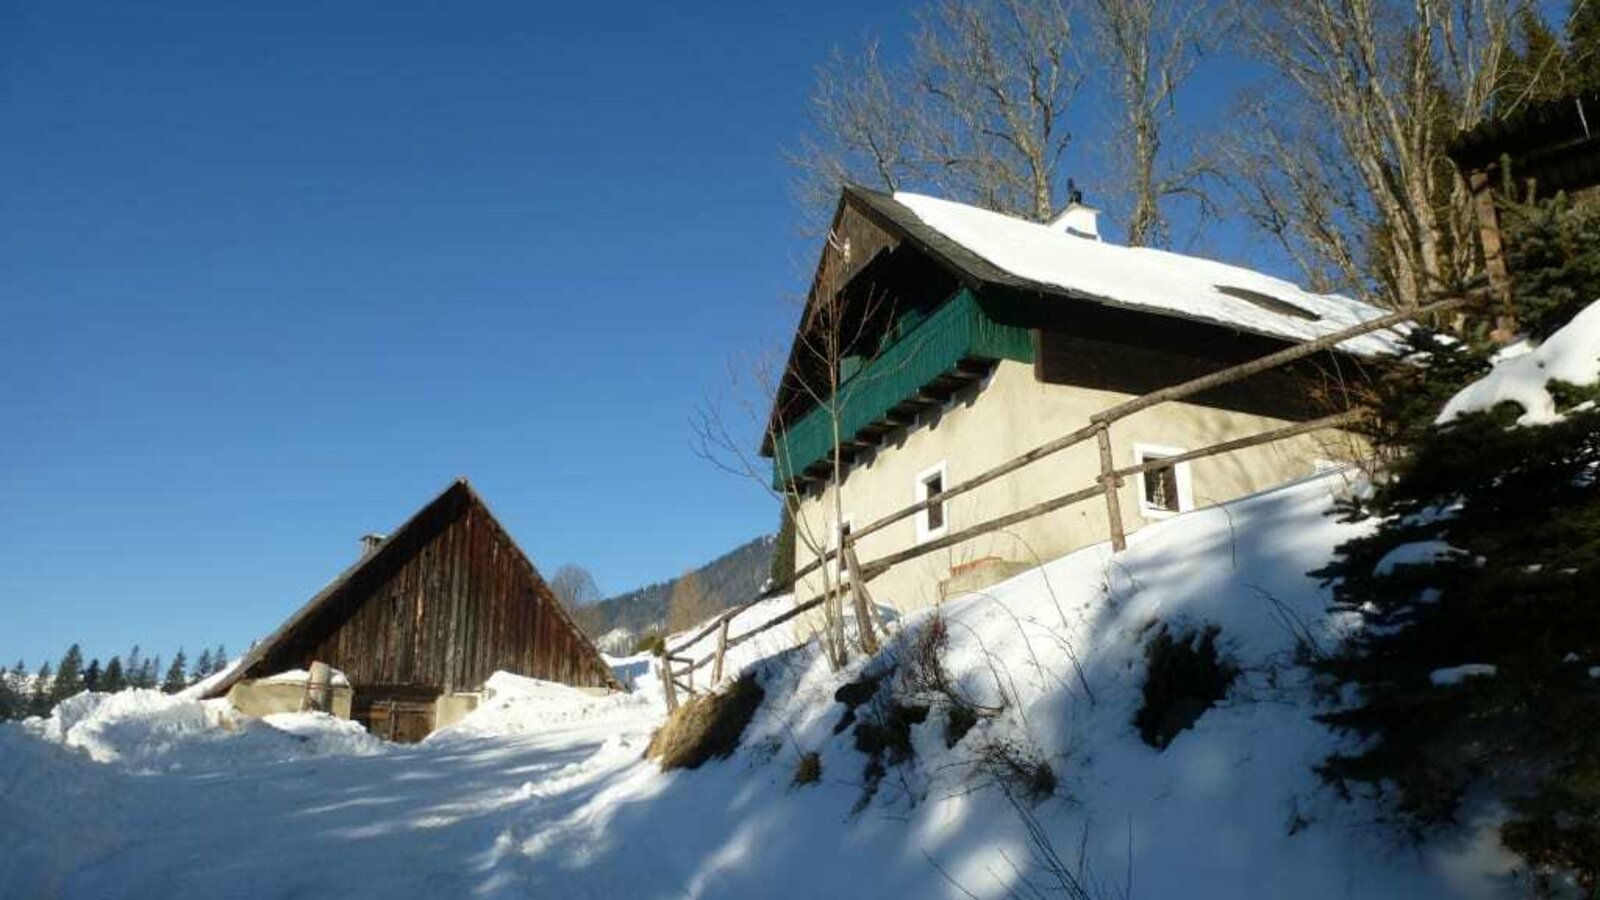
(941,340)
(417,625)
(1546,147)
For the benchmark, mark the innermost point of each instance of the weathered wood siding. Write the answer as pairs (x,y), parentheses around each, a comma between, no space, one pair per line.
(446,602)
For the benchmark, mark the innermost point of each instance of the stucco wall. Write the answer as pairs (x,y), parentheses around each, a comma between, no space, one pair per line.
(452,708)
(1005,416)
(263,698)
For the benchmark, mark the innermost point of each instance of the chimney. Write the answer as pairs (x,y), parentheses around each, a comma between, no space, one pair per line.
(1077,219)
(370,543)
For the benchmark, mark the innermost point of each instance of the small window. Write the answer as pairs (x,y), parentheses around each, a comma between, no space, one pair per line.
(931,521)
(1163,490)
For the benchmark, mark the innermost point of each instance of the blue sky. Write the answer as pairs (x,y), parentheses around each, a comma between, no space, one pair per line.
(273,274)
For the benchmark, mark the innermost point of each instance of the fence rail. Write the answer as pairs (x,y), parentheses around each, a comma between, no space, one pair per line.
(1106,484)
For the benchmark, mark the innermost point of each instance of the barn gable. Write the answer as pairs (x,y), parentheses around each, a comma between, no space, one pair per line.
(437,607)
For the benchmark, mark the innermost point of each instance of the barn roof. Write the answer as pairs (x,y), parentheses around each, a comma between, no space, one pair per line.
(1556,142)
(375,566)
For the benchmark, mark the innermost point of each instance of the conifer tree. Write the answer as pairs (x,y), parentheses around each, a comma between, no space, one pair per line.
(10,701)
(69,676)
(177,676)
(39,701)
(133,667)
(113,679)
(149,671)
(1495,529)
(202,666)
(219,659)
(91,675)
(783,567)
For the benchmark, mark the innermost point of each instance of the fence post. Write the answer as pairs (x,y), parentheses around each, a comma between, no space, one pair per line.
(664,670)
(863,602)
(722,649)
(1110,482)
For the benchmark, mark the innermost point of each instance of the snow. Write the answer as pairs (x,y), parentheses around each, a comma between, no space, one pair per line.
(1144,277)
(514,705)
(616,641)
(203,686)
(301,676)
(1415,553)
(1457,674)
(148,731)
(1522,373)
(542,790)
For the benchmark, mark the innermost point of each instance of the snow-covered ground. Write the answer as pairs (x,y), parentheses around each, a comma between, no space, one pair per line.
(542,791)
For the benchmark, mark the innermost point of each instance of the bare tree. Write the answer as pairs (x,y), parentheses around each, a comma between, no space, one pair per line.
(1150,48)
(575,587)
(1346,164)
(837,353)
(979,113)
(690,604)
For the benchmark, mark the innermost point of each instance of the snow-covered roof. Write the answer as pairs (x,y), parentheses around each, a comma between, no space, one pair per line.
(1147,279)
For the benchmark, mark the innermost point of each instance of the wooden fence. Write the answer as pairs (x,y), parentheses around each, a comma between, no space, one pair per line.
(1106,485)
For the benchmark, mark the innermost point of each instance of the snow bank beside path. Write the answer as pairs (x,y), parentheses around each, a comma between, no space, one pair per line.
(147,731)
(1523,372)
(515,705)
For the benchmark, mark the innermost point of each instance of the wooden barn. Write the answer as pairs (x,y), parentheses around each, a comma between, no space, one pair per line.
(416,626)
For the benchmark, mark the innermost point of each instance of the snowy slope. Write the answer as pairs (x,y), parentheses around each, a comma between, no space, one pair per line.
(542,792)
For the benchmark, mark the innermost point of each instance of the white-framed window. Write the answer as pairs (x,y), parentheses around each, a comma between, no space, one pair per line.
(933,521)
(1164,490)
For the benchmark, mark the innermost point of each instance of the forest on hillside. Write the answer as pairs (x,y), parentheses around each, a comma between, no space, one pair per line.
(728,580)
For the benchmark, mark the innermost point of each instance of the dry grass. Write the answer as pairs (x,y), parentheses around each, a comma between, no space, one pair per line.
(808,770)
(707,727)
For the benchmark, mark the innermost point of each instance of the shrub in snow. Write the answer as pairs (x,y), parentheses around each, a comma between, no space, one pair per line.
(808,770)
(1184,677)
(1019,769)
(651,642)
(1522,505)
(707,727)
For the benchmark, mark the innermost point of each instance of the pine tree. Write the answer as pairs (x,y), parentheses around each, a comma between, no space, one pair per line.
(113,680)
(91,675)
(1512,515)
(69,676)
(219,659)
(1535,67)
(177,675)
(149,671)
(202,666)
(10,701)
(39,702)
(1583,45)
(133,667)
(782,572)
